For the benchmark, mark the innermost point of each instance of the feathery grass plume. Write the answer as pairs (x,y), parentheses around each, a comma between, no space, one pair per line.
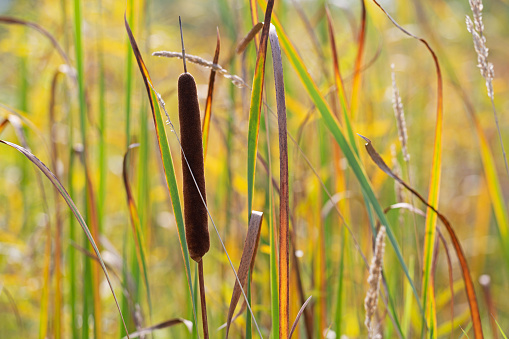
(476,28)
(235,79)
(375,273)
(400,116)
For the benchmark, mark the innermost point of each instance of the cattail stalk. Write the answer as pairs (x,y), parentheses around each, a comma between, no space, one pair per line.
(195,199)
(375,273)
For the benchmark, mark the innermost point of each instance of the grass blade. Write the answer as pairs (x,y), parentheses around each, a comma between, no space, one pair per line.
(294,326)
(208,103)
(434,184)
(246,262)
(361,41)
(165,324)
(45,170)
(333,126)
(255,107)
(135,223)
(469,286)
(284,245)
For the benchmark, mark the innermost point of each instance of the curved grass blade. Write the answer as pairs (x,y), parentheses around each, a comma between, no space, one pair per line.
(14,307)
(167,160)
(246,262)
(434,183)
(294,326)
(501,330)
(347,149)
(165,324)
(208,103)
(54,42)
(135,222)
(469,286)
(45,170)
(284,209)
(255,106)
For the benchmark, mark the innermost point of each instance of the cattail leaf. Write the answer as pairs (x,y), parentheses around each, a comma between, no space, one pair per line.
(469,285)
(299,314)
(284,209)
(333,126)
(255,106)
(135,223)
(208,103)
(165,324)
(246,262)
(167,160)
(242,45)
(45,170)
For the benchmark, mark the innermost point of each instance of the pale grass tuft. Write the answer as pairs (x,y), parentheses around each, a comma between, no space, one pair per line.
(476,28)
(375,274)
(236,80)
(400,117)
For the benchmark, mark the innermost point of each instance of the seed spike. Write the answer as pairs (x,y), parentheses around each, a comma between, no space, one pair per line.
(183,49)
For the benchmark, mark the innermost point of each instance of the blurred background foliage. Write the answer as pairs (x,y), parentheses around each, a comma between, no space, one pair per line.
(117,114)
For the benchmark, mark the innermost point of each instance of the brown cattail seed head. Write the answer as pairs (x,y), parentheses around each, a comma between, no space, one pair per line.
(195,212)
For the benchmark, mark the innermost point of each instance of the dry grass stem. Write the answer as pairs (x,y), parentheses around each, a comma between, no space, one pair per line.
(235,79)
(375,273)
(400,117)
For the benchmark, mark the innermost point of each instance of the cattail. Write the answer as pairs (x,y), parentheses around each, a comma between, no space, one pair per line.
(195,211)
(375,273)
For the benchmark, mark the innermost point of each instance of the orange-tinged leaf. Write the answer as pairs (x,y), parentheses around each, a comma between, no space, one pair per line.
(284,209)
(434,183)
(256,105)
(469,285)
(208,103)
